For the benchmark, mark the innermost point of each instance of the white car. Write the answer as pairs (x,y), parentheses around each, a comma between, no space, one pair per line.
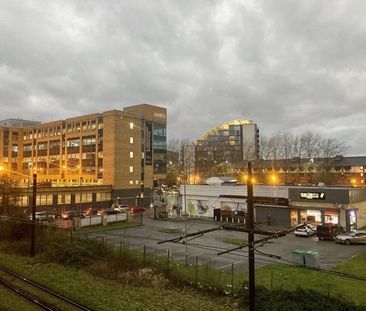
(40,216)
(304,230)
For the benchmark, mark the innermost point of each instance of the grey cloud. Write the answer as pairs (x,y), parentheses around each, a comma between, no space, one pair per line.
(287,65)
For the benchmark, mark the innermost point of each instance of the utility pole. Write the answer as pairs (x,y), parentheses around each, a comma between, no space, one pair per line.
(33,228)
(250,227)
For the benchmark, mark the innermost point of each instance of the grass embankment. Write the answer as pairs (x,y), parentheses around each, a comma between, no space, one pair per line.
(101,294)
(290,278)
(236,241)
(109,227)
(170,230)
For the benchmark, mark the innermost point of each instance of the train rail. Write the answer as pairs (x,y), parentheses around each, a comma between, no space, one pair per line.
(32,298)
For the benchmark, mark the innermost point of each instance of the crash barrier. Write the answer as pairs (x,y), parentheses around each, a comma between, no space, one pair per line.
(305,258)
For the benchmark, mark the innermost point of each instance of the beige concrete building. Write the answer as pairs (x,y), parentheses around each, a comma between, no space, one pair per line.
(124,149)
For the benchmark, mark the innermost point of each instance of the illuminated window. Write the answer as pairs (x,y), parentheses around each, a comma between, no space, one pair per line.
(131,140)
(131,182)
(137,182)
(131,154)
(131,169)
(131,125)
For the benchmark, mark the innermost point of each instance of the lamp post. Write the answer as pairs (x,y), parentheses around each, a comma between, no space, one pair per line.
(33,229)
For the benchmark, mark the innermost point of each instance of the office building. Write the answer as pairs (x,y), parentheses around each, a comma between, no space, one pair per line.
(124,150)
(224,149)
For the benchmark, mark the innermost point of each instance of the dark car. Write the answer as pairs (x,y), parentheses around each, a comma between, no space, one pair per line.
(328,231)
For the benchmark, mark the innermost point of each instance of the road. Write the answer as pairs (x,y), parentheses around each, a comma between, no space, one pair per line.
(207,246)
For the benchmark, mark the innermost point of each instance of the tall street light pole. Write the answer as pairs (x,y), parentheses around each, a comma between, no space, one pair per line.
(33,228)
(250,227)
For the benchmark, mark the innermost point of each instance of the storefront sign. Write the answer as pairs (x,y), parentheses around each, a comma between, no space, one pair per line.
(312,195)
(148,143)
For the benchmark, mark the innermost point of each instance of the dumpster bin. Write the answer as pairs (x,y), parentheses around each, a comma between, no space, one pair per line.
(298,257)
(312,259)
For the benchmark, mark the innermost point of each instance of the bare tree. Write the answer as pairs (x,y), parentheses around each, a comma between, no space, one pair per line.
(10,195)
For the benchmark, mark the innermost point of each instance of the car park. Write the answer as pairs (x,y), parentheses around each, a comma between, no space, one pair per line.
(328,231)
(304,230)
(352,237)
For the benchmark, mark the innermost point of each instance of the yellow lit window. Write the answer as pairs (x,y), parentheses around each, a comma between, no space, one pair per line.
(131,125)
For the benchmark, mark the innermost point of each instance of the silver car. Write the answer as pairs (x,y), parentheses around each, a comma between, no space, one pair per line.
(353,237)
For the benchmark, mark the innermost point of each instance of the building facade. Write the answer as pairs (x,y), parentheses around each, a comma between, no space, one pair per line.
(226,147)
(124,149)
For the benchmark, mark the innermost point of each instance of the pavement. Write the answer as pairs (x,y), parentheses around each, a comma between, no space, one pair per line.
(207,246)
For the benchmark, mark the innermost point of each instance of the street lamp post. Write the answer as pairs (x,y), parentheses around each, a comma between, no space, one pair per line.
(33,229)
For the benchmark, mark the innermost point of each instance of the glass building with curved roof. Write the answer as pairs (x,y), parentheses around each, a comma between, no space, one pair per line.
(230,144)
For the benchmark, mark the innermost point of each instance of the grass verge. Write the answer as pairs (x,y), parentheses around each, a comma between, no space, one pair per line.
(101,294)
(236,241)
(289,278)
(170,230)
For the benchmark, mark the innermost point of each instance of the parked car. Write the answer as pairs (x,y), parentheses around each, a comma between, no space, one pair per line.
(136,209)
(107,211)
(90,211)
(122,208)
(68,215)
(41,216)
(352,237)
(304,230)
(328,231)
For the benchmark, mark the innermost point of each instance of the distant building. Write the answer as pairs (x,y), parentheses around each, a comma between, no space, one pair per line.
(123,149)
(339,170)
(224,149)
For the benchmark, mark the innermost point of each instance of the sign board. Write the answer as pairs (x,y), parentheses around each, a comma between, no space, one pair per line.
(312,195)
(148,143)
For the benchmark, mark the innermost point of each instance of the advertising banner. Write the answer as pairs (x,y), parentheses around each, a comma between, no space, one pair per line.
(148,143)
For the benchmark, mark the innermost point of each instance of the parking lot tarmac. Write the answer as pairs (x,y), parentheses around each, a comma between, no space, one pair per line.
(207,246)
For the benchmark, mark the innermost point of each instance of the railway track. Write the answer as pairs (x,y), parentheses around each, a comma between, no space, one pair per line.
(37,294)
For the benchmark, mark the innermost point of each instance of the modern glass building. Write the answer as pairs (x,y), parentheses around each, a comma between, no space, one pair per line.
(228,145)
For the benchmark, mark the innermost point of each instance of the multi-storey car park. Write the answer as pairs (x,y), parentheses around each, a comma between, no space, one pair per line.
(94,159)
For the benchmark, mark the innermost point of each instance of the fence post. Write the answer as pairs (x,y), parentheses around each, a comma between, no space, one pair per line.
(232,278)
(196,281)
(120,248)
(168,262)
(271,281)
(144,258)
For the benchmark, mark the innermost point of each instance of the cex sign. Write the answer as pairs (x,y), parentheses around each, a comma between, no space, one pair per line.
(312,195)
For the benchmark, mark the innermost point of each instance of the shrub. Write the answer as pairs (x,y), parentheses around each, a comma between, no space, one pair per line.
(299,299)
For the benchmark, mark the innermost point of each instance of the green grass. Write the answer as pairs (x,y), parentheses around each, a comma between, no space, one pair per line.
(9,300)
(236,241)
(170,230)
(102,294)
(287,277)
(112,226)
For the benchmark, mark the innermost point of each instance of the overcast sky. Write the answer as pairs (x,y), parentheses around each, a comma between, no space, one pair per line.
(287,65)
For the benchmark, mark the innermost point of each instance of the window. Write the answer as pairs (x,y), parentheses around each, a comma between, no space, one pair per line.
(131,169)
(131,140)
(131,182)
(137,181)
(131,125)
(131,154)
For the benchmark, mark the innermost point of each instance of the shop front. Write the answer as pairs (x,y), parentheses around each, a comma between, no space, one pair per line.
(328,205)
